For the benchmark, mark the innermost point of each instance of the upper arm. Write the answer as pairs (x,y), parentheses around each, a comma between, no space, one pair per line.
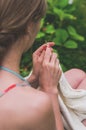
(43,116)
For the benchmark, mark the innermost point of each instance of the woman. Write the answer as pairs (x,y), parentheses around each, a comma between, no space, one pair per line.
(21,106)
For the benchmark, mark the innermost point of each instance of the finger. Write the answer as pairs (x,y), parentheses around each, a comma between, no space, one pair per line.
(50,44)
(48,54)
(53,58)
(41,57)
(57,68)
(40,49)
(57,63)
(59,74)
(43,47)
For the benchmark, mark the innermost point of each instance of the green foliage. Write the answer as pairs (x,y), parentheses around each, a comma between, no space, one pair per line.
(57,26)
(71,44)
(65,24)
(73,33)
(26,63)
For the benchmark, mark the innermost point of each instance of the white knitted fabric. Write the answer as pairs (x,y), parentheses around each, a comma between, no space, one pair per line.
(73,105)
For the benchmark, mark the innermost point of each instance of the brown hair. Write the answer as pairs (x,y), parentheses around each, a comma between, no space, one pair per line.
(15,15)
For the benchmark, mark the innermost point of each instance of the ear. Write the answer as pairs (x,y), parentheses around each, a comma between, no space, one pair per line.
(30,26)
(33,29)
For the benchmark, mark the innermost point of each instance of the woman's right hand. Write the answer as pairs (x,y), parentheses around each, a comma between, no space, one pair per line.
(50,72)
(49,77)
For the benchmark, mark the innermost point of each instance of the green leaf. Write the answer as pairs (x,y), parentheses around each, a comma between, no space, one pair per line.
(61,36)
(62,3)
(71,44)
(42,23)
(62,15)
(72,31)
(59,12)
(78,37)
(52,3)
(56,41)
(56,51)
(70,9)
(40,35)
(69,16)
(50,29)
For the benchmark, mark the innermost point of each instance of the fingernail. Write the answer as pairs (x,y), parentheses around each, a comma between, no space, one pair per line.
(50,44)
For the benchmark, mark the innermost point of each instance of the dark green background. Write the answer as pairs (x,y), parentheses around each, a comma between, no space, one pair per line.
(56,26)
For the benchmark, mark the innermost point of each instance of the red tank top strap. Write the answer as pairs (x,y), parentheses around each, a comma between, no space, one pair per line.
(7,90)
(11,87)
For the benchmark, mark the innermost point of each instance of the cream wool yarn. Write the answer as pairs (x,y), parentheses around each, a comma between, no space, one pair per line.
(73,105)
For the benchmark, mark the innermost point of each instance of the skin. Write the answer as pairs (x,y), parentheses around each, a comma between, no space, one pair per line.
(48,73)
(77,79)
(37,63)
(34,112)
(28,108)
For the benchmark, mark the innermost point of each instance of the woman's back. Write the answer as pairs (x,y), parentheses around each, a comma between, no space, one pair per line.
(24,108)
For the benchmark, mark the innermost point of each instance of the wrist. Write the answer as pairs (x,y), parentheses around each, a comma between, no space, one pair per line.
(31,78)
(33,81)
(51,91)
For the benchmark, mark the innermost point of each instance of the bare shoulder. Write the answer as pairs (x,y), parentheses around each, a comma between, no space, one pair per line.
(41,116)
(29,108)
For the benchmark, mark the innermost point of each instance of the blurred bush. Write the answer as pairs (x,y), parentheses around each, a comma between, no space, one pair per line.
(65,24)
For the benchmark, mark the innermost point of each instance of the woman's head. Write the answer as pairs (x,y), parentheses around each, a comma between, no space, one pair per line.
(15,17)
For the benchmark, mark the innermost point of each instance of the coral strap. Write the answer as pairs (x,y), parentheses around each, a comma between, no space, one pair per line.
(9,88)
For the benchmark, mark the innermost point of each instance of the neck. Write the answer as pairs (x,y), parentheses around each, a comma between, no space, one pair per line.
(12,60)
